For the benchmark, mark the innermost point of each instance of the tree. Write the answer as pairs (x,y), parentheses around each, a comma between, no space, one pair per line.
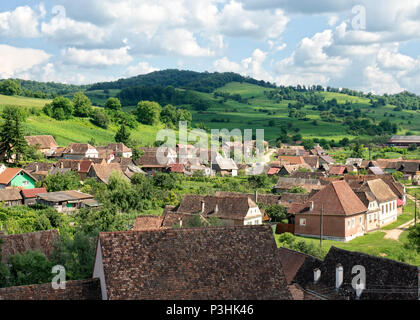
(148,112)
(414,237)
(100,119)
(62,181)
(76,254)
(30,267)
(357,151)
(62,108)
(412,147)
(13,142)
(277,213)
(297,189)
(398,175)
(10,87)
(169,115)
(82,105)
(122,135)
(113,104)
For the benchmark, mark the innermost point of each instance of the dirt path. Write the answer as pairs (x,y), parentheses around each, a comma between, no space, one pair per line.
(394,234)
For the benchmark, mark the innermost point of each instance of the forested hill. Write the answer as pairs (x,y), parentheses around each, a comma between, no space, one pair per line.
(199,81)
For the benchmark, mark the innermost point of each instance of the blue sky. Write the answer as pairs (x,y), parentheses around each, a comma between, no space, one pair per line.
(348,43)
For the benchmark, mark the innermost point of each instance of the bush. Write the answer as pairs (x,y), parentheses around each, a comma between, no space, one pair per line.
(100,119)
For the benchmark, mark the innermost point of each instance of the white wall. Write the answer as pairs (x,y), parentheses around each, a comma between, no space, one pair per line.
(98,271)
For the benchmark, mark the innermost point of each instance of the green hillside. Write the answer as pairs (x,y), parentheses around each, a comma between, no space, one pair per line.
(228,100)
(73,130)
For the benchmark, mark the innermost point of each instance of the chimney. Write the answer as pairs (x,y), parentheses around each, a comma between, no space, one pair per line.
(311,206)
(203,206)
(338,276)
(317,275)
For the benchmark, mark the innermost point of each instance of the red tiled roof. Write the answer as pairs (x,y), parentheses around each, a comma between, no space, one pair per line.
(291,159)
(337,170)
(273,171)
(177,167)
(31,193)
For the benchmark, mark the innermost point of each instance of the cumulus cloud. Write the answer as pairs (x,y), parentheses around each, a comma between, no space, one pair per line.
(15,61)
(71,32)
(251,66)
(96,57)
(140,68)
(22,22)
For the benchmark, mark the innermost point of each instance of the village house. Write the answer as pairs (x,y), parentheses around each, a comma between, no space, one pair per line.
(39,170)
(326,159)
(386,200)
(337,170)
(81,167)
(404,141)
(411,170)
(307,175)
(225,166)
(286,183)
(46,144)
(231,210)
(343,214)
(16,177)
(149,162)
(120,150)
(357,162)
(102,172)
(78,151)
(145,222)
(375,170)
(317,151)
(217,263)
(66,201)
(11,197)
(29,195)
(290,152)
(312,161)
(289,169)
(290,160)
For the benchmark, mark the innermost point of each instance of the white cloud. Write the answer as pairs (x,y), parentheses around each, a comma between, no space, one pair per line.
(15,61)
(21,22)
(97,57)
(70,32)
(251,66)
(140,68)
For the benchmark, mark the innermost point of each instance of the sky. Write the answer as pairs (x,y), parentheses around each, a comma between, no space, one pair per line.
(367,45)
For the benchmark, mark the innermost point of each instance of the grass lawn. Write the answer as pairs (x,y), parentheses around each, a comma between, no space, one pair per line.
(408,214)
(23,101)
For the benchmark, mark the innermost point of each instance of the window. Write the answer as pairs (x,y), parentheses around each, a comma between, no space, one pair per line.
(360,220)
(302,222)
(25,183)
(348,224)
(352,222)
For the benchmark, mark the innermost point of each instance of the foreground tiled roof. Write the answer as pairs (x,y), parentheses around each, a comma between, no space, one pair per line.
(89,289)
(291,262)
(214,263)
(19,243)
(45,142)
(385,279)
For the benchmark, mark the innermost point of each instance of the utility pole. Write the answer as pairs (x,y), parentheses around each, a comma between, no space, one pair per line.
(321,227)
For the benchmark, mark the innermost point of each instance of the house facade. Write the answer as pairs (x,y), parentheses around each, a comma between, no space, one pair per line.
(78,151)
(16,177)
(343,214)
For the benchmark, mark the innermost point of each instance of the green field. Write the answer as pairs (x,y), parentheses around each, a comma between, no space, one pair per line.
(251,115)
(73,130)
